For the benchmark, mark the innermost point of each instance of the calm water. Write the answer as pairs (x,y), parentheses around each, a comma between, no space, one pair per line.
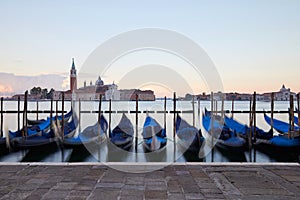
(107,153)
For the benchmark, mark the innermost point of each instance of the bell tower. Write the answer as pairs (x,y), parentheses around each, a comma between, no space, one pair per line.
(73,77)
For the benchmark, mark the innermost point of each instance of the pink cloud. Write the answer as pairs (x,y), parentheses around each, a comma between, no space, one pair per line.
(11,84)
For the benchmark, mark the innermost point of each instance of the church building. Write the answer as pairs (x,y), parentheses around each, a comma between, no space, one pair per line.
(93,91)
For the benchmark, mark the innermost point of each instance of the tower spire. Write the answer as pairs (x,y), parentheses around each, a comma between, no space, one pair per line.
(73,64)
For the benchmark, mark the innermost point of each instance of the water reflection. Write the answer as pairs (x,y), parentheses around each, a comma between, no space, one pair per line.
(107,153)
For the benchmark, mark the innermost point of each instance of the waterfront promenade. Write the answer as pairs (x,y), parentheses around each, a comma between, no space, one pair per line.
(176,181)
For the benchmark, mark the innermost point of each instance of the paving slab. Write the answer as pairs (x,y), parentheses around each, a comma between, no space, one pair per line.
(176,181)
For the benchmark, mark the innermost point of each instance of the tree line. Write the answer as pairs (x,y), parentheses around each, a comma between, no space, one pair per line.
(42,93)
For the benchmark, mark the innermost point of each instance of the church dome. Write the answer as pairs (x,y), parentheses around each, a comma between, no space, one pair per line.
(99,82)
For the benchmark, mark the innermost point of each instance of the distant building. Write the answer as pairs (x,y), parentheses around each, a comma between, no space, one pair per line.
(112,93)
(143,95)
(282,95)
(93,91)
(237,96)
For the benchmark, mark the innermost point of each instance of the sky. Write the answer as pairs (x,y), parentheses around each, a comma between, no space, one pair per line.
(254,45)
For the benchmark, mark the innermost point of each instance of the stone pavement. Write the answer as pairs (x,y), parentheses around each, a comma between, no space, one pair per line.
(176,181)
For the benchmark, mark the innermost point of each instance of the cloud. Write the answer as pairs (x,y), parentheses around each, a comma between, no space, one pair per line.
(11,84)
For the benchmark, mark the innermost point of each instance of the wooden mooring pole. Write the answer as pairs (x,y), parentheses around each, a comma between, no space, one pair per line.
(232,107)
(26,112)
(298,104)
(222,108)
(174,116)
(136,121)
(51,110)
(212,117)
(56,112)
(212,125)
(99,115)
(193,108)
(198,106)
(272,109)
(254,115)
(165,114)
(109,117)
(216,106)
(250,141)
(1,134)
(26,104)
(99,108)
(37,109)
(292,115)
(79,115)
(63,116)
(18,113)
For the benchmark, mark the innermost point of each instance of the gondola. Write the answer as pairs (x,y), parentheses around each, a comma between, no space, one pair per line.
(90,135)
(46,138)
(243,130)
(190,138)
(154,136)
(66,119)
(280,147)
(39,127)
(280,126)
(283,140)
(122,134)
(32,130)
(225,138)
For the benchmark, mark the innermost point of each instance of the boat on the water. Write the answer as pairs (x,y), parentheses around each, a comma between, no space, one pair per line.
(280,126)
(243,130)
(122,134)
(91,134)
(32,130)
(46,138)
(59,117)
(225,138)
(190,138)
(154,135)
(283,140)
